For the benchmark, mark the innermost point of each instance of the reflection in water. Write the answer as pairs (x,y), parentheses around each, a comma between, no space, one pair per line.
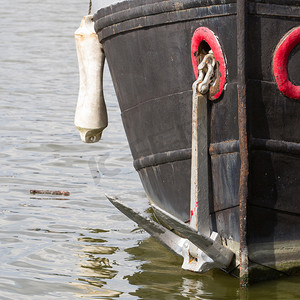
(287,289)
(95,267)
(160,277)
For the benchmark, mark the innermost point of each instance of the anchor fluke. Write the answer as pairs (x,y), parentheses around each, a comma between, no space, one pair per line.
(167,238)
(193,260)
(211,246)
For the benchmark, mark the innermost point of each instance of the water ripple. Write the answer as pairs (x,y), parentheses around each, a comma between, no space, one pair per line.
(55,247)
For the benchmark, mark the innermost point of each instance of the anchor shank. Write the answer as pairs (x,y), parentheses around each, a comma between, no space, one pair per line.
(199,218)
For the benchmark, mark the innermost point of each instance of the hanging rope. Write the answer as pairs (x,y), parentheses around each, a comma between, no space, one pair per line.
(90,7)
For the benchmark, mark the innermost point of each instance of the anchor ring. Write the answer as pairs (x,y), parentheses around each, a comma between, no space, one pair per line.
(205,34)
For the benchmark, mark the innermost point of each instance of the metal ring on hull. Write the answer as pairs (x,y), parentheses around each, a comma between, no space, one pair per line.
(280,59)
(204,34)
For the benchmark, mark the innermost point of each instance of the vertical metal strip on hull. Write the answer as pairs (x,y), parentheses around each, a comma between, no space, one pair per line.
(243,137)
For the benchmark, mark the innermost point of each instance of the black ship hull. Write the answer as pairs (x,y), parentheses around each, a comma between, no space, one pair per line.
(148,49)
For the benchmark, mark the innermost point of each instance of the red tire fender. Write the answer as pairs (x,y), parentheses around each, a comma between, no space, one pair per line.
(288,42)
(205,34)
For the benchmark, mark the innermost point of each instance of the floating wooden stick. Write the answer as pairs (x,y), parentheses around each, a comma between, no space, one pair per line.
(47,192)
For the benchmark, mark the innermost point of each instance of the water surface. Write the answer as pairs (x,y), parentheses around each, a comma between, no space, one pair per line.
(55,247)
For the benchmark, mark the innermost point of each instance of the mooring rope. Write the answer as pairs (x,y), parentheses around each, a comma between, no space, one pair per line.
(90,7)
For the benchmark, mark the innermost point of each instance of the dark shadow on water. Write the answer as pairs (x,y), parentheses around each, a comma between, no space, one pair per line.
(160,277)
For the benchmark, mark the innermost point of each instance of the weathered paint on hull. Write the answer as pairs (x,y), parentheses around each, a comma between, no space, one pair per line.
(147,45)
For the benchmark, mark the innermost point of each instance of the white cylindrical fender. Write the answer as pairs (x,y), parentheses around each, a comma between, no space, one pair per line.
(91,114)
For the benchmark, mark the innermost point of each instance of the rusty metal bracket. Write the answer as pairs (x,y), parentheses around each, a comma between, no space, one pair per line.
(243,137)
(199,202)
